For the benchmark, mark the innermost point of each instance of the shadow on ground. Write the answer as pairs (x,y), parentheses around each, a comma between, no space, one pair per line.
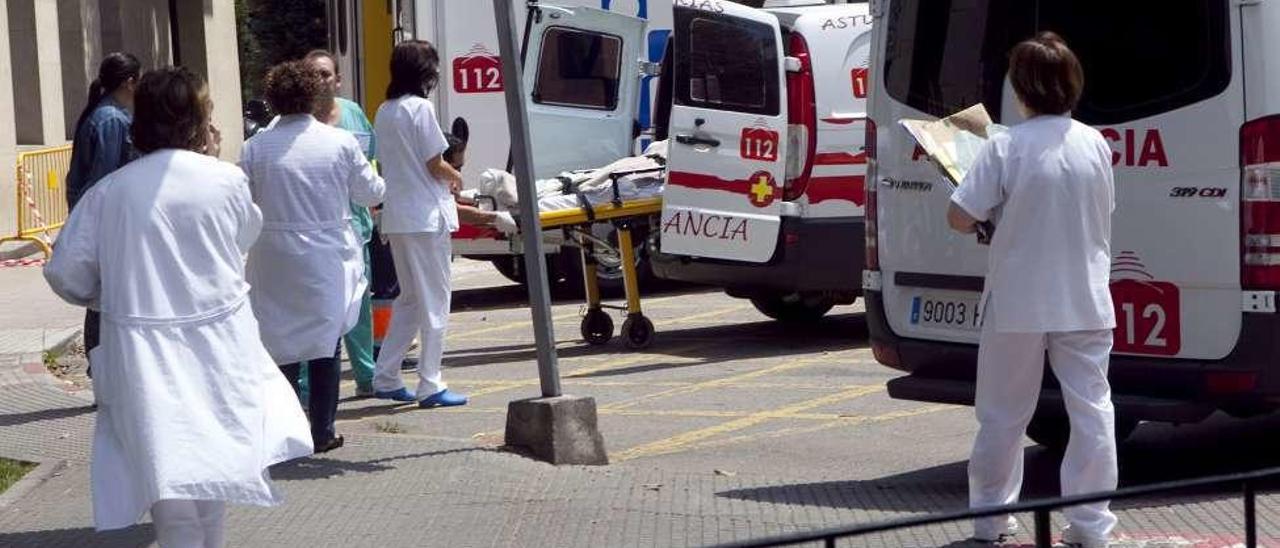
(1157,453)
(324,467)
(137,536)
(517,296)
(16,419)
(710,344)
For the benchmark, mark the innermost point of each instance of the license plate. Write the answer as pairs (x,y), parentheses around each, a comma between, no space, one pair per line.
(946,311)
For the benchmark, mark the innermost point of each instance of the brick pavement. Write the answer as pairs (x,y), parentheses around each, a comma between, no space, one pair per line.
(415,489)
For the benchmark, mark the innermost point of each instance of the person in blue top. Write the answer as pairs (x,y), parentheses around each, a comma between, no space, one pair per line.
(101,143)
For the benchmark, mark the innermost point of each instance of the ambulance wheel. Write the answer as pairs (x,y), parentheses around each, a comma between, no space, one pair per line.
(638,331)
(597,327)
(1053,430)
(793,308)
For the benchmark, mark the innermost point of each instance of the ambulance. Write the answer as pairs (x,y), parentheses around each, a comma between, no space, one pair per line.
(765,124)
(1190,103)
(596,82)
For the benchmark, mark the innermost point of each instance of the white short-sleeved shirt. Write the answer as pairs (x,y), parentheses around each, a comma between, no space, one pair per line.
(1048,187)
(408,136)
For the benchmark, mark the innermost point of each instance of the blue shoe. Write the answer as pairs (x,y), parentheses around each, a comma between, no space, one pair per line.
(401,394)
(443,398)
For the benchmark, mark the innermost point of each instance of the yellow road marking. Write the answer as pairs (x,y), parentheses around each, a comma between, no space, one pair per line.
(679,442)
(832,423)
(721,382)
(528,321)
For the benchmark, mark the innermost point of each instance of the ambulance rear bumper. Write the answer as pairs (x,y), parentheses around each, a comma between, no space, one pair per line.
(1153,389)
(813,255)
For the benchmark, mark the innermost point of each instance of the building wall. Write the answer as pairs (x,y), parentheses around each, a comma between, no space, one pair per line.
(8,133)
(50,51)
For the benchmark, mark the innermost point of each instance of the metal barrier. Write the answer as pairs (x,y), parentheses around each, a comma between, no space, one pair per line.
(1246,482)
(42,196)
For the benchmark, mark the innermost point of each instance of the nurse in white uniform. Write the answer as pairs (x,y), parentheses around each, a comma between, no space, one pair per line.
(307,270)
(191,408)
(1049,182)
(418,218)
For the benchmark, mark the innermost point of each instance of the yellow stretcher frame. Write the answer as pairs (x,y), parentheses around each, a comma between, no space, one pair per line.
(597,326)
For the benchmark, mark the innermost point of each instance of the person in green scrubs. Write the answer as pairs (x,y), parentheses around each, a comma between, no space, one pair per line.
(348,115)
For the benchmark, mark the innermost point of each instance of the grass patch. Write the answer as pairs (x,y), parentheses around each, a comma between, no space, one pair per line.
(11,471)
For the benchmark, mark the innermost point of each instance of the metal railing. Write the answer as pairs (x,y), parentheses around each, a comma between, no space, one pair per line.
(42,197)
(1246,482)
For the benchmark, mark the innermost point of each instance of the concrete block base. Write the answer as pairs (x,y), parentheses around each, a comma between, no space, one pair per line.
(561,430)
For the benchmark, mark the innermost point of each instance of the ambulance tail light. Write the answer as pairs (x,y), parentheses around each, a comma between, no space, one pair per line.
(1260,203)
(802,120)
(871,206)
(1226,383)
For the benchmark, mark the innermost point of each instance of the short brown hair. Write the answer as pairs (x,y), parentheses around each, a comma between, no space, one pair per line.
(1046,75)
(171,110)
(294,87)
(322,54)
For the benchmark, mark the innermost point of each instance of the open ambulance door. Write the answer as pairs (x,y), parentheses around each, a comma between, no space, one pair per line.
(728,134)
(582,69)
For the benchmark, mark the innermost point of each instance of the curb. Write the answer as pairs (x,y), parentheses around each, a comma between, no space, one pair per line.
(35,478)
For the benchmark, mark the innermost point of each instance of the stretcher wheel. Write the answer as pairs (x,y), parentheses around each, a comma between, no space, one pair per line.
(597,327)
(638,331)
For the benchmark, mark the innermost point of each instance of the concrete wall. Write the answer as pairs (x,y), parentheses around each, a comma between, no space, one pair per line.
(8,135)
(207,44)
(80,31)
(37,71)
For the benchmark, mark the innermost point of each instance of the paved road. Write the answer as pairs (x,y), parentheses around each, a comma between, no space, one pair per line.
(731,426)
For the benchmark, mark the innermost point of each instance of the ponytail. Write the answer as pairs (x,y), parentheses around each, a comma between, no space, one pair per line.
(116,69)
(95,96)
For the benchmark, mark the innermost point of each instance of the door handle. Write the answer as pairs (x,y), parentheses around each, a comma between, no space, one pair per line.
(691,140)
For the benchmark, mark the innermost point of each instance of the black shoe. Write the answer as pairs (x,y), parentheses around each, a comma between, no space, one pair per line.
(330,445)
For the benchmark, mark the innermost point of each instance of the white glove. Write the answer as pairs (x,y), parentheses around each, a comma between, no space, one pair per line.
(470,193)
(504,222)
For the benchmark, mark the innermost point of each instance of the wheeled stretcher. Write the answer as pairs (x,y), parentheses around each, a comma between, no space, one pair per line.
(624,215)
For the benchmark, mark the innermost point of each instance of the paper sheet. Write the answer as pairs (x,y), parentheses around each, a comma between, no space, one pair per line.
(953,143)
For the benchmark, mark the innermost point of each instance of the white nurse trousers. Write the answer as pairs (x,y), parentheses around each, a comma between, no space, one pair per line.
(1010,370)
(422,269)
(189,523)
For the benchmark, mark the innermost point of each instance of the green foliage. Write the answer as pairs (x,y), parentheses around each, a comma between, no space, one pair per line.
(272,31)
(11,471)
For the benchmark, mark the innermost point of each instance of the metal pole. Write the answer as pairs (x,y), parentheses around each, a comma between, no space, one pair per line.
(535,266)
(1044,533)
(1250,516)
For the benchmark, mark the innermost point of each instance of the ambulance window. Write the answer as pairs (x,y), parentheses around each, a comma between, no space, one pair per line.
(578,69)
(945,55)
(725,64)
(1135,69)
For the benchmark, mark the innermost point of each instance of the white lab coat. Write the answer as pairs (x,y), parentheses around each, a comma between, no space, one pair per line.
(307,269)
(1047,184)
(190,405)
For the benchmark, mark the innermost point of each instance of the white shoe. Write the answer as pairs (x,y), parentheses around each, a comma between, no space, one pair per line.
(1010,530)
(1071,539)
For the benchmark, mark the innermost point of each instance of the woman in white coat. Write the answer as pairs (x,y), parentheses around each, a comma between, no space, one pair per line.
(307,269)
(1049,181)
(192,410)
(418,218)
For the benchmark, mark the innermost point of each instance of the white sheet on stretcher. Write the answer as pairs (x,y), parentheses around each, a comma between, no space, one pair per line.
(594,184)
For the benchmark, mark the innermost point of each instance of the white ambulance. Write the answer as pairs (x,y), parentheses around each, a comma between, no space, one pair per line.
(1189,103)
(591,76)
(765,183)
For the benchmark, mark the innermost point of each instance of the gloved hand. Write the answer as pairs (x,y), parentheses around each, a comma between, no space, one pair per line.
(504,222)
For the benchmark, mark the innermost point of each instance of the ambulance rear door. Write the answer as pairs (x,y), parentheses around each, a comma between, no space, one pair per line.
(582,73)
(728,133)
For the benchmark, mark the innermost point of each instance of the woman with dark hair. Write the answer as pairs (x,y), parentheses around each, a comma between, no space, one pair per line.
(307,269)
(101,141)
(419,215)
(192,408)
(1049,181)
